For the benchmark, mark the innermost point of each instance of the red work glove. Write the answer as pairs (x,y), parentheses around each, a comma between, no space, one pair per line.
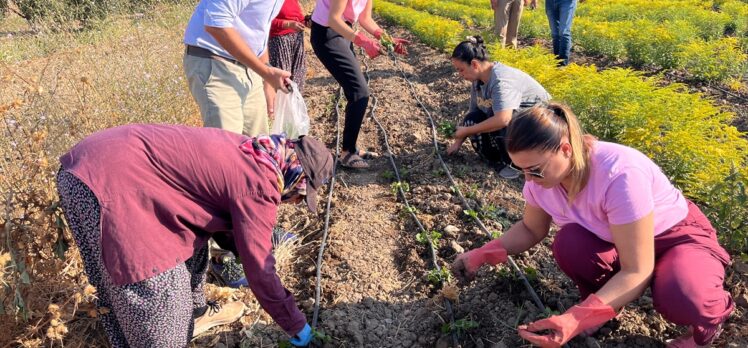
(378,33)
(372,47)
(467,264)
(588,314)
(400,46)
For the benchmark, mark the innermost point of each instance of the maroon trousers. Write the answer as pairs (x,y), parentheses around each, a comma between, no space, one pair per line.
(688,275)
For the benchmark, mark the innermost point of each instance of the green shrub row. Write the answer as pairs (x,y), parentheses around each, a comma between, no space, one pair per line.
(471,15)
(433,30)
(687,37)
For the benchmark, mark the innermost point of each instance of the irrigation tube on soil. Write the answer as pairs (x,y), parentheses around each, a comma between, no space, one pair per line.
(391,156)
(485,230)
(318,287)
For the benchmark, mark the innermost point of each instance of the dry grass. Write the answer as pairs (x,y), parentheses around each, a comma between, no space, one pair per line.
(55,90)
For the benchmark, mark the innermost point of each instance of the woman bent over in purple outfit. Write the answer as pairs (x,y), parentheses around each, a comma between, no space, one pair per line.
(143,200)
(624,227)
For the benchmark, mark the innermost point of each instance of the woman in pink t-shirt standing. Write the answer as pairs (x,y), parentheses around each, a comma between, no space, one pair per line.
(624,227)
(332,40)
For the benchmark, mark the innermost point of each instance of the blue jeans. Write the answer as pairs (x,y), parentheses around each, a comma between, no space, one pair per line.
(560,15)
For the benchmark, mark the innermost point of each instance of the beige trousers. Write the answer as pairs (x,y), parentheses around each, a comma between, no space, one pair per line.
(507,14)
(230,96)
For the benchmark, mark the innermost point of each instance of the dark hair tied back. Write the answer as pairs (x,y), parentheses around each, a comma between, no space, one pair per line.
(472,48)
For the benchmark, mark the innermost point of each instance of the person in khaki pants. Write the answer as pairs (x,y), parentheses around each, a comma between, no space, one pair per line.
(507,13)
(227,65)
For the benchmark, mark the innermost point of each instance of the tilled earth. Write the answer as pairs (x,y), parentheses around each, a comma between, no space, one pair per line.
(374,285)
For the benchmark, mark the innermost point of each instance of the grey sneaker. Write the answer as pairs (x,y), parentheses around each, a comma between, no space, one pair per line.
(509,173)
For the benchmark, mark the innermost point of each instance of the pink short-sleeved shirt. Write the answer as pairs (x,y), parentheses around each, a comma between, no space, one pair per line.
(353,9)
(624,186)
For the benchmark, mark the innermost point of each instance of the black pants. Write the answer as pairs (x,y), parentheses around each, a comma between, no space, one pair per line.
(489,146)
(336,54)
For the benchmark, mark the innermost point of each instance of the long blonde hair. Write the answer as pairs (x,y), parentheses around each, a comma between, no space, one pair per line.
(542,127)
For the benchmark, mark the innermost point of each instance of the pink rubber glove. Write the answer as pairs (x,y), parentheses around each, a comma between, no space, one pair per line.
(588,314)
(372,47)
(378,33)
(467,264)
(400,46)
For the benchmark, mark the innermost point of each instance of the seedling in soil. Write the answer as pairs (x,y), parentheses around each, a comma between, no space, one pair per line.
(472,191)
(471,213)
(389,175)
(460,326)
(386,42)
(406,211)
(447,129)
(438,276)
(426,237)
(399,185)
(495,234)
(531,273)
(319,336)
(549,312)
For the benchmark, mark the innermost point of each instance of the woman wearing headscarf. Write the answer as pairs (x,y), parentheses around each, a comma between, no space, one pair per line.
(142,201)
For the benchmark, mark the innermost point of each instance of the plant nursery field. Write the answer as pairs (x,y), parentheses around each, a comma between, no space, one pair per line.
(668,78)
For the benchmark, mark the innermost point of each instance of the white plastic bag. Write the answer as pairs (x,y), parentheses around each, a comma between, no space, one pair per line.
(291,116)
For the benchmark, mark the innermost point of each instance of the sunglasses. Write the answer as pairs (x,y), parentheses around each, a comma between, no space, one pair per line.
(536,172)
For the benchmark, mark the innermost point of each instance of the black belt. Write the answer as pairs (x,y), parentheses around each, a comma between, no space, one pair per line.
(203,53)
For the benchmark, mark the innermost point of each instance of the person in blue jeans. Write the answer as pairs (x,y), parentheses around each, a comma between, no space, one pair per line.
(560,15)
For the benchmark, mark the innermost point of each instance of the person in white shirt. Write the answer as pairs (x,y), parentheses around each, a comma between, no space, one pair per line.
(226,63)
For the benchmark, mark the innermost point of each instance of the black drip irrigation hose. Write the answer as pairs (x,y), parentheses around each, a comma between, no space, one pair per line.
(391,157)
(323,243)
(485,230)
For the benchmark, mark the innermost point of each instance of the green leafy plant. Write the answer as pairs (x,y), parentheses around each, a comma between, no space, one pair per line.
(459,326)
(386,42)
(399,185)
(447,129)
(406,211)
(495,234)
(320,337)
(439,276)
(531,273)
(429,237)
(548,312)
(471,213)
(388,174)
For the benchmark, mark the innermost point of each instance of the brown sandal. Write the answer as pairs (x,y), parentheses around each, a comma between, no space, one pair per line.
(353,161)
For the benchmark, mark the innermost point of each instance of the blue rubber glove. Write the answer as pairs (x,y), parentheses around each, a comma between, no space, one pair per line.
(302,338)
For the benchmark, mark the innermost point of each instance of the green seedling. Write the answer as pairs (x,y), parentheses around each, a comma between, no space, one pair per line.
(319,336)
(406,211)
(472,191)
(447,129)
(531,273)
(388,174)
(460,326)
(284,344)
(399,185)
(548,312)
(495,234)
(386,42)
(438,276)
(471,213)
(429,237)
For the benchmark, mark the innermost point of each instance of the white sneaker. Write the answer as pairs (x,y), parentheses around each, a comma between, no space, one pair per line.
(509,173)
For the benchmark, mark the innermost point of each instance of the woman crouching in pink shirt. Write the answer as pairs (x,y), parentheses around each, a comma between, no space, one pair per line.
(624,227)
